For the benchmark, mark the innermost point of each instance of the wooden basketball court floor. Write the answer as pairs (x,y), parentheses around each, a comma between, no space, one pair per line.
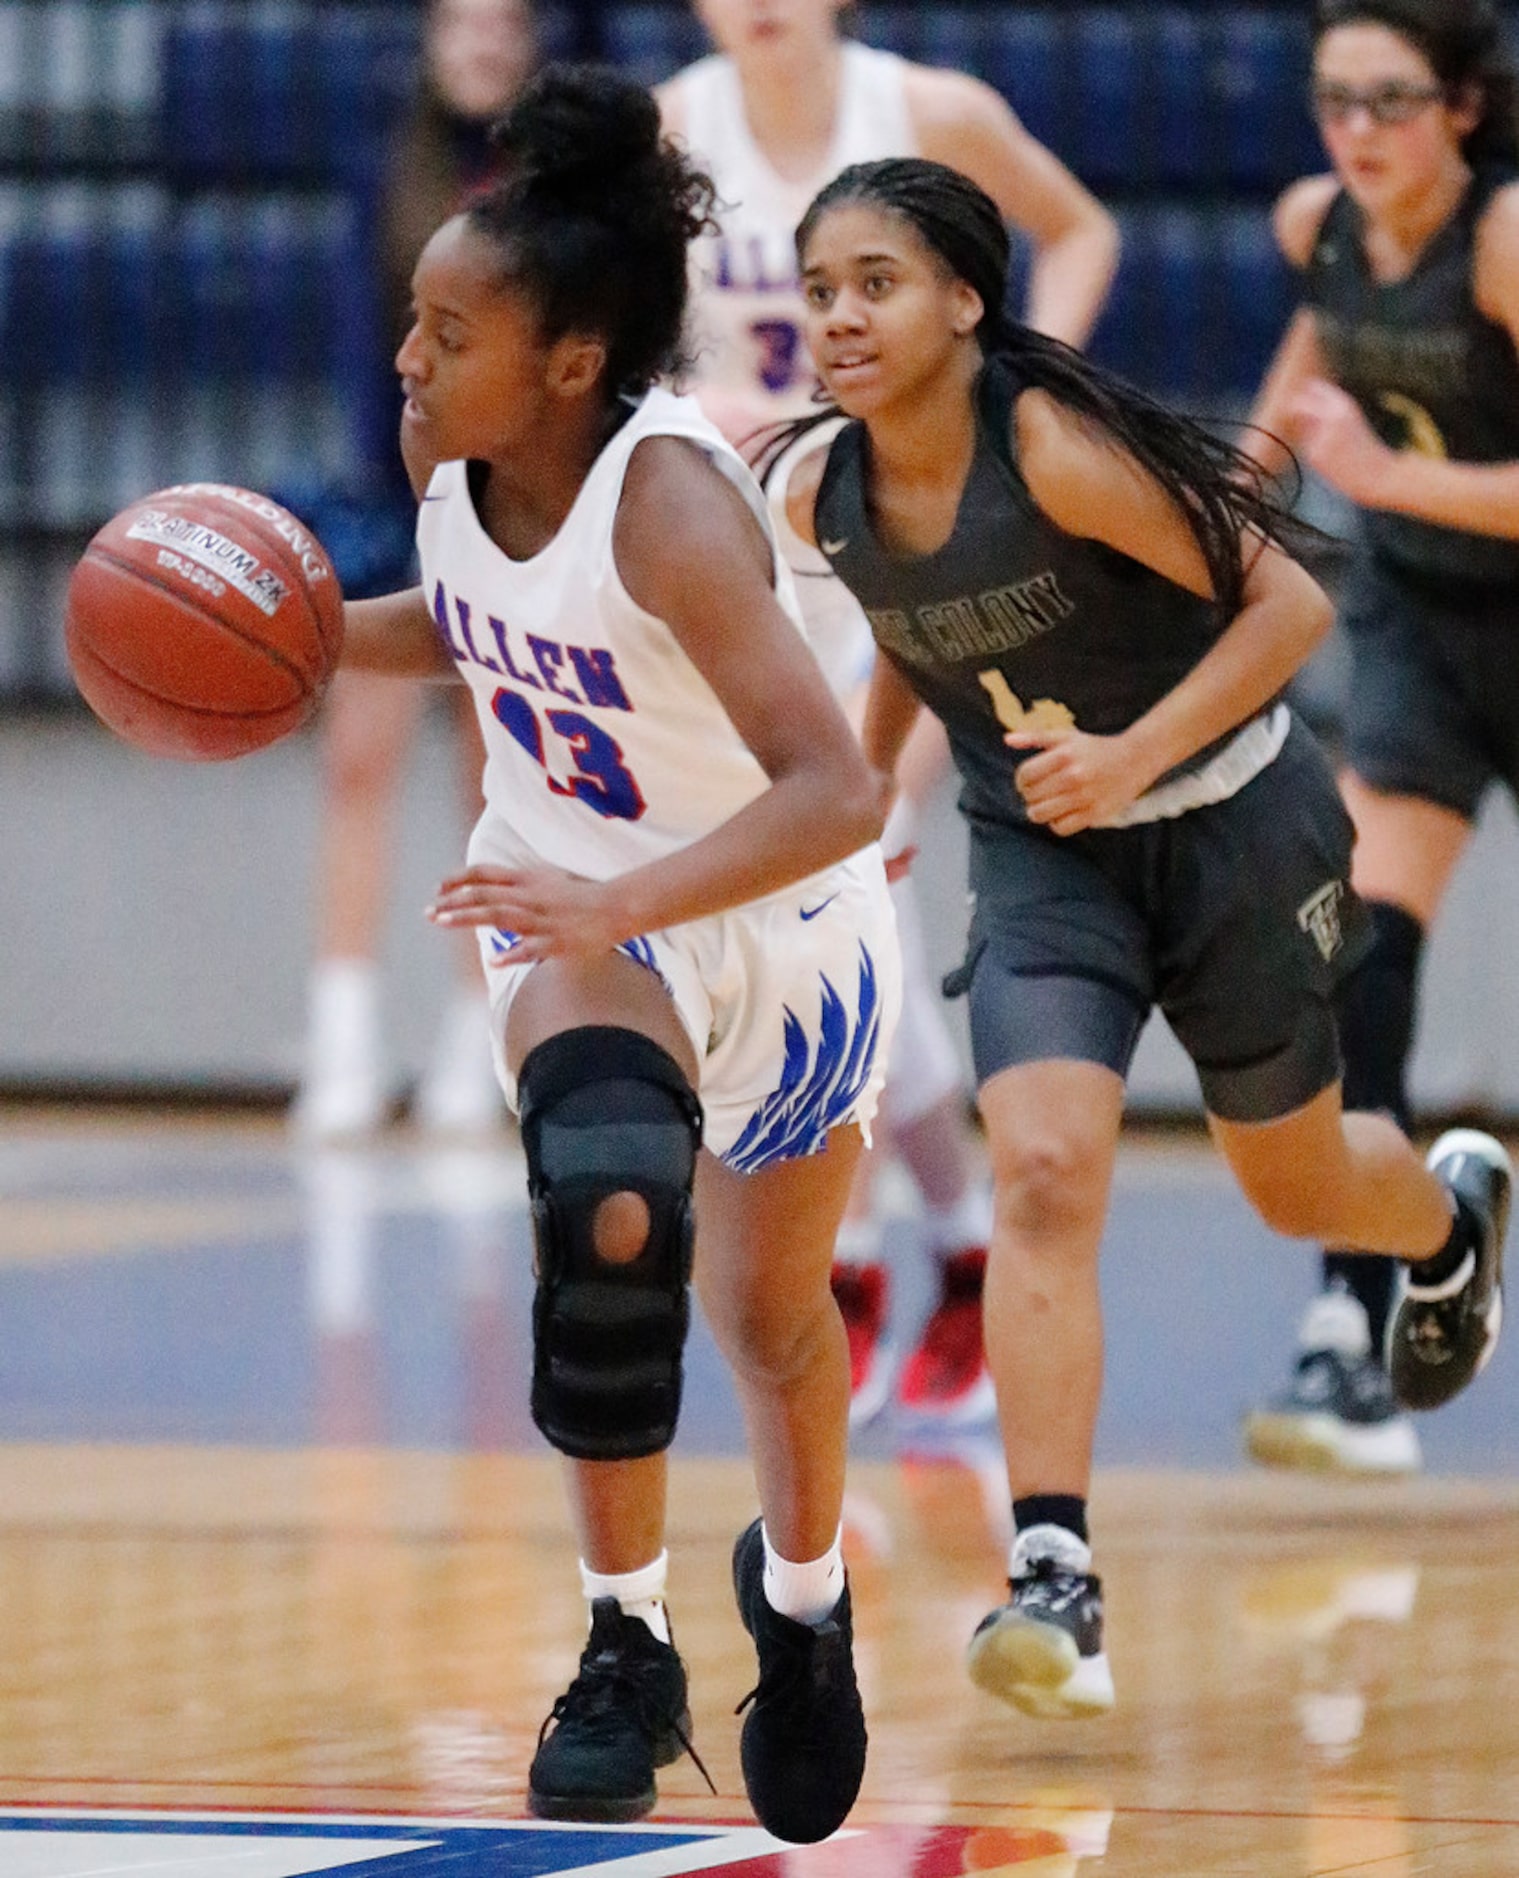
(287,1585)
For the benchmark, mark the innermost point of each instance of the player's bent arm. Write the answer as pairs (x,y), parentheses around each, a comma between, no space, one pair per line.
(1095,489)
(891,710)
(1270,429)
(690,552)
(394,634)
(965,123)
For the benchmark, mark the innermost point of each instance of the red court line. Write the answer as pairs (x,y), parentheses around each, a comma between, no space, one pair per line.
(422,1809)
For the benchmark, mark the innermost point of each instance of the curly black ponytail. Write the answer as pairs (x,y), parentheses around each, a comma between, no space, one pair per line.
(593,217)
(1226,495)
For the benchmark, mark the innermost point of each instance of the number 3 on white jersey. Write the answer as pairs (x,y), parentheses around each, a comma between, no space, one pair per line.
(601,780)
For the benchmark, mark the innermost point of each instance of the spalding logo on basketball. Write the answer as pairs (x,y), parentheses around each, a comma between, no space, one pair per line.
(203,622)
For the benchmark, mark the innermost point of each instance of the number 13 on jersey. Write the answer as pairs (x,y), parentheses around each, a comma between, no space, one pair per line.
(601,780)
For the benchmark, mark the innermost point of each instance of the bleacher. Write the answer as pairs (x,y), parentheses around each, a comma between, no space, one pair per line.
(186,188)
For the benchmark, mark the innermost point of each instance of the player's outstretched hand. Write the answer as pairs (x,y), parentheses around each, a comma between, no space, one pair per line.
(553,914)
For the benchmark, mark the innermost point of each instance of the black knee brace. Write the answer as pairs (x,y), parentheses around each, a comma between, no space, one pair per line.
(607,1111)
(1376,1007)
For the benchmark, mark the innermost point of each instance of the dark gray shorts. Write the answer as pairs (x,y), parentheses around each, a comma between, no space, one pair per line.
(1237,920)
(1433,707)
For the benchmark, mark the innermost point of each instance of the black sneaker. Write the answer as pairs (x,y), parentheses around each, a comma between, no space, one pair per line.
(624,1715)
(1441,1334)
(1042,1650)
(803,1744)
(1338,1414)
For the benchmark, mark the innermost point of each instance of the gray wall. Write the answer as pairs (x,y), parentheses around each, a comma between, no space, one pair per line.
(155,921)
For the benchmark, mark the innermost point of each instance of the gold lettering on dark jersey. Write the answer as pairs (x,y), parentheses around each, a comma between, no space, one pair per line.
(972,626)
(1420,431)
(1426,366)
(1014,714)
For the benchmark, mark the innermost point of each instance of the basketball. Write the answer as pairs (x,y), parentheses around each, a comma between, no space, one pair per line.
(203,622)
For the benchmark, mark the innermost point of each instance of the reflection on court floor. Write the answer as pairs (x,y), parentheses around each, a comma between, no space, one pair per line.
(288,1587)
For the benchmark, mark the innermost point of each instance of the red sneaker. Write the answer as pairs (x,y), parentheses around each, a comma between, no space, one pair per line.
(861,1292)
(946,1378)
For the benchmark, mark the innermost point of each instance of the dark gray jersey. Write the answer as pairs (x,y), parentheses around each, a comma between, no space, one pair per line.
(1431,372)
(1012,619)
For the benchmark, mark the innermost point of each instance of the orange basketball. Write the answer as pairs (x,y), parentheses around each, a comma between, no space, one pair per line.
(203,622)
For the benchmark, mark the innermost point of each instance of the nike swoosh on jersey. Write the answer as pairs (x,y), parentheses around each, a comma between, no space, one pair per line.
(811,912)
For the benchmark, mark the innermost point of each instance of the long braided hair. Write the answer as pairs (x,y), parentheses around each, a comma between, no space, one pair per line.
(1225,495)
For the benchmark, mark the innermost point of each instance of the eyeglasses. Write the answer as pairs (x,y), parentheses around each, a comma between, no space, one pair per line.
(1392,103)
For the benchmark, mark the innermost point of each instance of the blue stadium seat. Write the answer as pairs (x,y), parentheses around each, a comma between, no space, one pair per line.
(284,92)
(1259,292)
(1185,142)
(651,42)
(132,236)
(1258,92)
(1200,302)
(1025,55)
(1108,142)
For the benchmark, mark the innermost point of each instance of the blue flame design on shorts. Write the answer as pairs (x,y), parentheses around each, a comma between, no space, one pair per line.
(640,951)
(816,1093)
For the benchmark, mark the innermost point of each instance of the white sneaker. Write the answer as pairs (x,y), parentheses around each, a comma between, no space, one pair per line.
(1337,1413)
(1042,1651)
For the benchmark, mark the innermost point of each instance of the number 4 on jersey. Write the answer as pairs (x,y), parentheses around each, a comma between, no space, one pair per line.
(1013,714)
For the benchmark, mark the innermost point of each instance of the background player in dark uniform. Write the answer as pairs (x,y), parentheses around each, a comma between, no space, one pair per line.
(1091,593)
(1399,384)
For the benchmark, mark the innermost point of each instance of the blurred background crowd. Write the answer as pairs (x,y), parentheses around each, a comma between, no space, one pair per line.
(208,210)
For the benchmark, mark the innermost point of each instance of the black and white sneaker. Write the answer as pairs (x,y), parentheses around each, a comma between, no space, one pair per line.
(1338,1413)
(803,1742)
(1443,1330)
(624,1715)
(1042,1650)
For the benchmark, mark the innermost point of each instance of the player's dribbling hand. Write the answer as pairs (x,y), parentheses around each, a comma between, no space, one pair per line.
(1075,780)
(554,914)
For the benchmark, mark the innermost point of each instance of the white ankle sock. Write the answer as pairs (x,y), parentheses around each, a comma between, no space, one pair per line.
(805,1593)
(641,1593)
(968,1222)
(342,1007)
(858,1243)
(1052,1542)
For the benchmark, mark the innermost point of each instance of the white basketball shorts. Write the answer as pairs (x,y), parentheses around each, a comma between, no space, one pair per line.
(790,1003)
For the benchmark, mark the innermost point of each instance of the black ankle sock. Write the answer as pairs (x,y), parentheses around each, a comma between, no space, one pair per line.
(1370,1281)
(1446,1262)
(1052,1509)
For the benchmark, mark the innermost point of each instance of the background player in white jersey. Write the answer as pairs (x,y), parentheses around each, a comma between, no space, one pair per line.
(691,954)
(785,103)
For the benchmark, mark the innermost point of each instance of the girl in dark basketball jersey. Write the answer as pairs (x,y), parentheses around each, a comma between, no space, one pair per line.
(1399,384)
(1091,593)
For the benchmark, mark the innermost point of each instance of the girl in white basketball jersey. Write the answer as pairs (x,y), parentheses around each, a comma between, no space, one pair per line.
(685,935)
(786,102)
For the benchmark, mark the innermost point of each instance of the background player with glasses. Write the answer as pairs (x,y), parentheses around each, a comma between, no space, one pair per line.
(1398,382)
